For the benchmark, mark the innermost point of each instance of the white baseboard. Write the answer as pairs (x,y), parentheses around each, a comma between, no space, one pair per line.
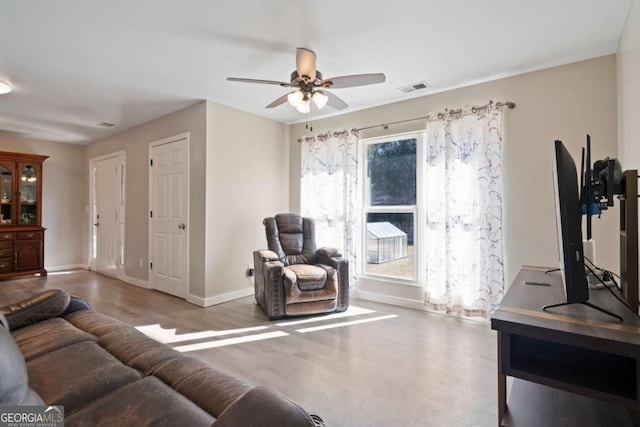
(137,282)
(219,299)
(66,267)
(388,299)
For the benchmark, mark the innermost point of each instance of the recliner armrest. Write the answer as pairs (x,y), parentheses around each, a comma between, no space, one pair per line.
(329,252)
(267,255)
(45,305)
(342,266)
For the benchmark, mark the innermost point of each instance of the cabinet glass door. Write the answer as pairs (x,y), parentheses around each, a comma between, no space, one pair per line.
(6,194)
(28,194)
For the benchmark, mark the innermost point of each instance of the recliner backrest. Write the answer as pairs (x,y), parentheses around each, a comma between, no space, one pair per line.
(292,238)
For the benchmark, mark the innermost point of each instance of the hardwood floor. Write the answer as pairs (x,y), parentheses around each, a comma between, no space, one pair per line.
(389,367)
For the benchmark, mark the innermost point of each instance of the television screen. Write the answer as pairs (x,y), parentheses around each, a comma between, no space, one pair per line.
(569,226)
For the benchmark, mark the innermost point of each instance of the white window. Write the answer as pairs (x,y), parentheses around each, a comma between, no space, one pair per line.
(393,207)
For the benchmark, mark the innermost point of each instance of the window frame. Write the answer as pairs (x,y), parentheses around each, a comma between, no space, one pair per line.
(418,210)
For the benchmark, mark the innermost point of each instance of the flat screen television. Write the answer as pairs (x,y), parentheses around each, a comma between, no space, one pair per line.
(569,228)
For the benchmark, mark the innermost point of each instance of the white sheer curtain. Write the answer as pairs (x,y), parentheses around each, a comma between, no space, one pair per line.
(328,190)
(464,212)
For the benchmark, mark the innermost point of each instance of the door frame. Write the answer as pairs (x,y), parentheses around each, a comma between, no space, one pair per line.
(153,144)
(92,162)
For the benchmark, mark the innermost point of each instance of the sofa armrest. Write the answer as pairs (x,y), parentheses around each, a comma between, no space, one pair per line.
(76,304)
(264,407)
(45,305)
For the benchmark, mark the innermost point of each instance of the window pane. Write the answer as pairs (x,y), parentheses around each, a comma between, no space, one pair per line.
(392,173)
(390,249)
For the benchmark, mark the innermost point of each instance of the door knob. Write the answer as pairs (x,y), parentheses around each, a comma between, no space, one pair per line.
(182,226)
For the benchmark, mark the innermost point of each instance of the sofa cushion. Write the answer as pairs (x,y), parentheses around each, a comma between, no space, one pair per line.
(49,335)
(308,277)
(78,374)
(294,294)
(211,389)
(146,402)
(136,350)
(96,324)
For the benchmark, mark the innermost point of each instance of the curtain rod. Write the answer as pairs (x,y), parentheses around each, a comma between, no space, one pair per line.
(441,115)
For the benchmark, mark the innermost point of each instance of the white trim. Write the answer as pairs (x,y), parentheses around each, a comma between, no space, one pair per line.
(392,300)
(219,299)
(66,267)
(418,211)
(186,136)
(137,282)
(116,154)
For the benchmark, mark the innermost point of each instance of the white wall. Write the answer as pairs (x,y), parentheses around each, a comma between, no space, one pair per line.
(63,195)
(628,59)
(563,103)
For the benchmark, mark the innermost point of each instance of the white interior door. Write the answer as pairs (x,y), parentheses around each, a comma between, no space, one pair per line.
(107,213)
(168,230)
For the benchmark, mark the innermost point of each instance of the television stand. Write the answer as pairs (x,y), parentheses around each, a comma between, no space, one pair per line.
(581,368)
(588,304)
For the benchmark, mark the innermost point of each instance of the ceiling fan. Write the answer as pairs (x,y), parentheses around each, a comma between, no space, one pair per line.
(310,85)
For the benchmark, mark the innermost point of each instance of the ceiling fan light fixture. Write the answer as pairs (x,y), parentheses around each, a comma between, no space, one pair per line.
(295,98)
(320,99)
(304,107)
(4,88)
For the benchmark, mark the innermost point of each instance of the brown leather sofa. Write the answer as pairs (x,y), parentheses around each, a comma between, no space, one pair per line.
(105,372)
(292,277)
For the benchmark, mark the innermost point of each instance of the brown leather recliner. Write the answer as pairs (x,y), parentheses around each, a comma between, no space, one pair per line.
(292,278)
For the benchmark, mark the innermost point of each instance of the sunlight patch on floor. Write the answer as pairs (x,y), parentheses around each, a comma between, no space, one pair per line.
(169,336)
(209,338)
(230,341)
(342,324)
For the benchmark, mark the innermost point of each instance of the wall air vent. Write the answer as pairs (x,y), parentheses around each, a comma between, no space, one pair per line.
(414,87)
(106,125)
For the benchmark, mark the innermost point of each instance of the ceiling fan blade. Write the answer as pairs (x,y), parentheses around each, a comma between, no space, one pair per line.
(265,82)
(353,80)
(306,63)
(278,101)
(334,101)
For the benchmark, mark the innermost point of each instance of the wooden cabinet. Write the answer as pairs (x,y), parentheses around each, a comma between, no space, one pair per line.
(21,232)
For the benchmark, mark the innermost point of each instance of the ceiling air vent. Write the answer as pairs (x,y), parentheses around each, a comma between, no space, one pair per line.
(414,87)
(106,125)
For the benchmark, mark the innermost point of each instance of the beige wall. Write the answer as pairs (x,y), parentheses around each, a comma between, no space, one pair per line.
(63,195)
(239,175)
(629,90)
(247,180)
(563,103)
(135,142)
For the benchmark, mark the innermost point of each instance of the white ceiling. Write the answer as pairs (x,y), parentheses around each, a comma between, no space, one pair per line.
(76,63)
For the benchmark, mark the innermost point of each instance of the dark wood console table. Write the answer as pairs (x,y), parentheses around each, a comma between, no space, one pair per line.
(581,362)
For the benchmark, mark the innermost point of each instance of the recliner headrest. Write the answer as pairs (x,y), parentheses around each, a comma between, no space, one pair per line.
(289,223)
